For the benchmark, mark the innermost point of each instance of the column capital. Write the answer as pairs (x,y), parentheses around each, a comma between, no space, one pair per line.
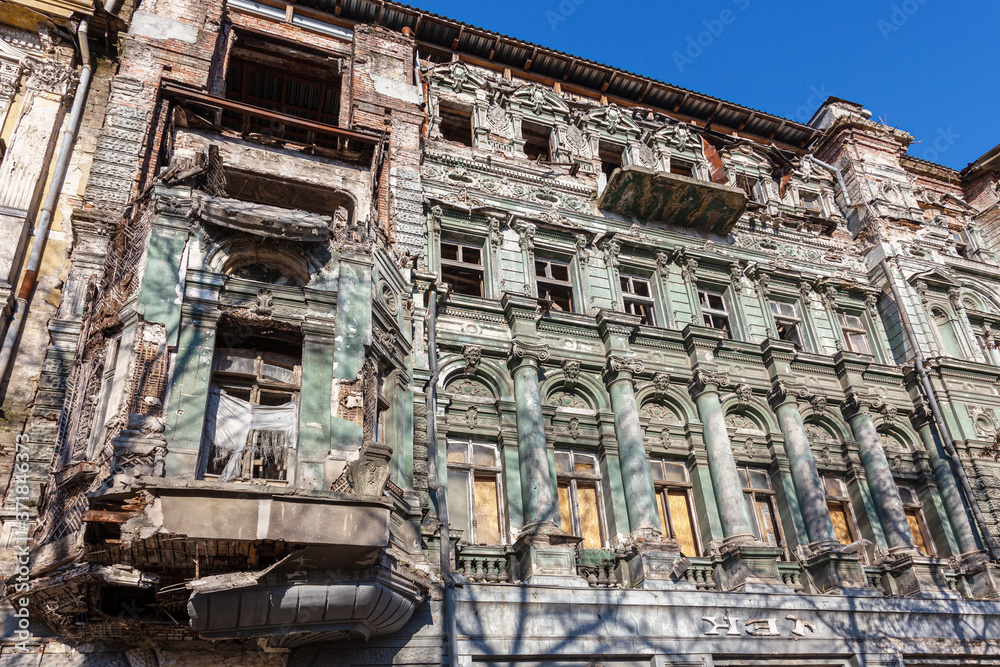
(620,367)
(783,392)
(707,379)
(522,351)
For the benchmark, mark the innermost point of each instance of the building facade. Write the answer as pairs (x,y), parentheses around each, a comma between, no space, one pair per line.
(348,334)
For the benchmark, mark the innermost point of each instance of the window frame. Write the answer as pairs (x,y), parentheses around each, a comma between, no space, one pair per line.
(257,386)
(458,265)
(630,297)
(766,496)
(537,129)
(847,332)
(709,311)
(571,479)
(844,503)
(663,487)
(794,321)
(475,471)
(914,507)
(568,286)
(447,113)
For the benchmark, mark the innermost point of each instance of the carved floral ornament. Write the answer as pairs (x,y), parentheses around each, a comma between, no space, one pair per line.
(50,77)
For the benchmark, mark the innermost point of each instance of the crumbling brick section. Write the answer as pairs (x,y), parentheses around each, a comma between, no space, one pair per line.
(383,64)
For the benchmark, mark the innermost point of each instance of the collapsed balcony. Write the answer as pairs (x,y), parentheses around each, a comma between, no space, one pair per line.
(655,196)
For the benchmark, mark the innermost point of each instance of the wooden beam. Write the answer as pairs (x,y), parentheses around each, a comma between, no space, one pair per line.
(179,92)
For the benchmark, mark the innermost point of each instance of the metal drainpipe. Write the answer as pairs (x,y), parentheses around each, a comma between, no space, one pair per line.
(438,488)
(41,232)
(840,179)
(942,425)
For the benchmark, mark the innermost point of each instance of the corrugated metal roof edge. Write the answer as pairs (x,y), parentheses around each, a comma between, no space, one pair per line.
(398,6)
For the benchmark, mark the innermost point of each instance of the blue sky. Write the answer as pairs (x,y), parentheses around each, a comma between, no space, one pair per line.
(929,67)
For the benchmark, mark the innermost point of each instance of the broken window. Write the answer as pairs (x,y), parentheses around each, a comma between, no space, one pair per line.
(554,285)
(281,77)
(611,157)
(637,298)
(537,141)
(751,187)
(251,425)
(675,503)
(474,498)
(681,167)
(107,385)
(855,333)
(455,124)
(810,202)
(787,323)
(581,505)
(713,311)
(838,500)
(759,497)
(462,268)
(915,519)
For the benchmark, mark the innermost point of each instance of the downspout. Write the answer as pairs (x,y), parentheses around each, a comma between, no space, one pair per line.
(432,476)
(840,179)
(41,232)
(942,425)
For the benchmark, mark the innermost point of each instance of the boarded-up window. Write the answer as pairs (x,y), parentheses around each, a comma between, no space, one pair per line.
(675,503)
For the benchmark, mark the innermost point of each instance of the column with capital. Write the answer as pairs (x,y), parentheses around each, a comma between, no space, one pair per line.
(857,410)
(541,547)
(721,465)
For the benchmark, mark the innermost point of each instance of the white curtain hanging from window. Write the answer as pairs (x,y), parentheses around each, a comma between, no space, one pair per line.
(276,426)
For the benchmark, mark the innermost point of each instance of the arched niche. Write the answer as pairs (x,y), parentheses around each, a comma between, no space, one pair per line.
(559,391)
(487,383)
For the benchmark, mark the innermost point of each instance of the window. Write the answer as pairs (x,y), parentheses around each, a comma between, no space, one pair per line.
(462,268)
(961,247)
(554,284)
(537,141)
(637,297)
(611,157)
(681,167)
(787,322)
(455,124)
(252,420)
(915,519)
(474,497)
(381,404)
(855,333)
(838,500)
(759,497)
(674,500)
(810,202)
(99,428)
(713,311)
(749,185)
(580,502)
